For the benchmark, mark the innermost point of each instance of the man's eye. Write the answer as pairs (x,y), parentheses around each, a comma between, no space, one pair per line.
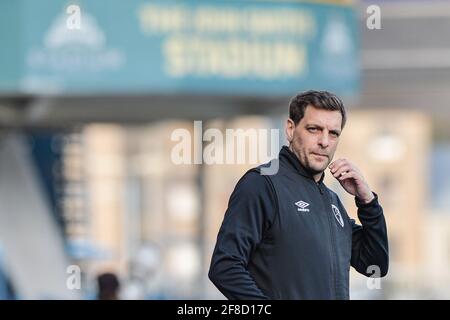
(312,129)
(335,134)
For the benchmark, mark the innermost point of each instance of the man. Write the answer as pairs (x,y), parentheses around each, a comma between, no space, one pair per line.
(286,235)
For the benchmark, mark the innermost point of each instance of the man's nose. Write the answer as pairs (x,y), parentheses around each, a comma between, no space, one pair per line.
(323,140)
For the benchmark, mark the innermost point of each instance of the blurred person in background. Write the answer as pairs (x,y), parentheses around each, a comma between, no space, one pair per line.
(108,286)
(286,235)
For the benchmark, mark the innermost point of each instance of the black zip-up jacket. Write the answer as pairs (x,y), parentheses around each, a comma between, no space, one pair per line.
(286,236)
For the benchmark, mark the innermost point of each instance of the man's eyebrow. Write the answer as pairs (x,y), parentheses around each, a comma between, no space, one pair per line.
(337,131)
(314,125)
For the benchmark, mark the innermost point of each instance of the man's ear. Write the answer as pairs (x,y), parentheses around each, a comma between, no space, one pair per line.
(290,127)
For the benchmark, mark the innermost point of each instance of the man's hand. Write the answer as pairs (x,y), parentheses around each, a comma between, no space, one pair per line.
(351,179)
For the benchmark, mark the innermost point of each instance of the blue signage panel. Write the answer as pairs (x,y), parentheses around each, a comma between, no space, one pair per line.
(205,47)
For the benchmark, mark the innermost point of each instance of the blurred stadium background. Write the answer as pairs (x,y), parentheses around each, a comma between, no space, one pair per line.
(87,115)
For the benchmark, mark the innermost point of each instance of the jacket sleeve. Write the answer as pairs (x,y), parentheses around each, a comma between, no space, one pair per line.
(250,211)
(370,241)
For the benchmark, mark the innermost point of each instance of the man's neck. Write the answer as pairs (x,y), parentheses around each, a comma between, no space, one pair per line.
(317,177)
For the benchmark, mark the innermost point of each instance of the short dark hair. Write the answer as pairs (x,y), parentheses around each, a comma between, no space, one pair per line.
(317,99)
(108,286)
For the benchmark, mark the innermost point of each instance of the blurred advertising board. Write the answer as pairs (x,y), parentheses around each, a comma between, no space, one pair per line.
(225,47)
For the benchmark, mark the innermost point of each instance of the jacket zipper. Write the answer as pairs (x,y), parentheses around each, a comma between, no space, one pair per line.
(332,237)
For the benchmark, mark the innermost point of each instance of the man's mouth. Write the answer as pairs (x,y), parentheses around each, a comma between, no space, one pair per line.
(320,154)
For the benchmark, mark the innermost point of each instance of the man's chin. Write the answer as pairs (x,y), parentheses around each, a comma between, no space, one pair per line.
(312,169)
(319,168)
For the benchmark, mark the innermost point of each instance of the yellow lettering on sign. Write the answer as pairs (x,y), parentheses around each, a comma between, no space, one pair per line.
(233,58)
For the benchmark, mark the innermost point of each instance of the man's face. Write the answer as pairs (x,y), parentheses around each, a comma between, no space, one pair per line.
(315,138)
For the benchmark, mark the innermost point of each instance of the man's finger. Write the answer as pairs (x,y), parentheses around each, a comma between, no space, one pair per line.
(342,165)
(348,175)
(335,163)
(342,169)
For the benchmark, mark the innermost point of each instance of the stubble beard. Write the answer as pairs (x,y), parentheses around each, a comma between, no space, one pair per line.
(302,156)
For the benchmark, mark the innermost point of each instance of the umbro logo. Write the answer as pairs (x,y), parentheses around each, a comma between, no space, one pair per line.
(302,206)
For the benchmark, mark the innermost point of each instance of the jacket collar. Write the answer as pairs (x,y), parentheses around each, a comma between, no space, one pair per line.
(291,160)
